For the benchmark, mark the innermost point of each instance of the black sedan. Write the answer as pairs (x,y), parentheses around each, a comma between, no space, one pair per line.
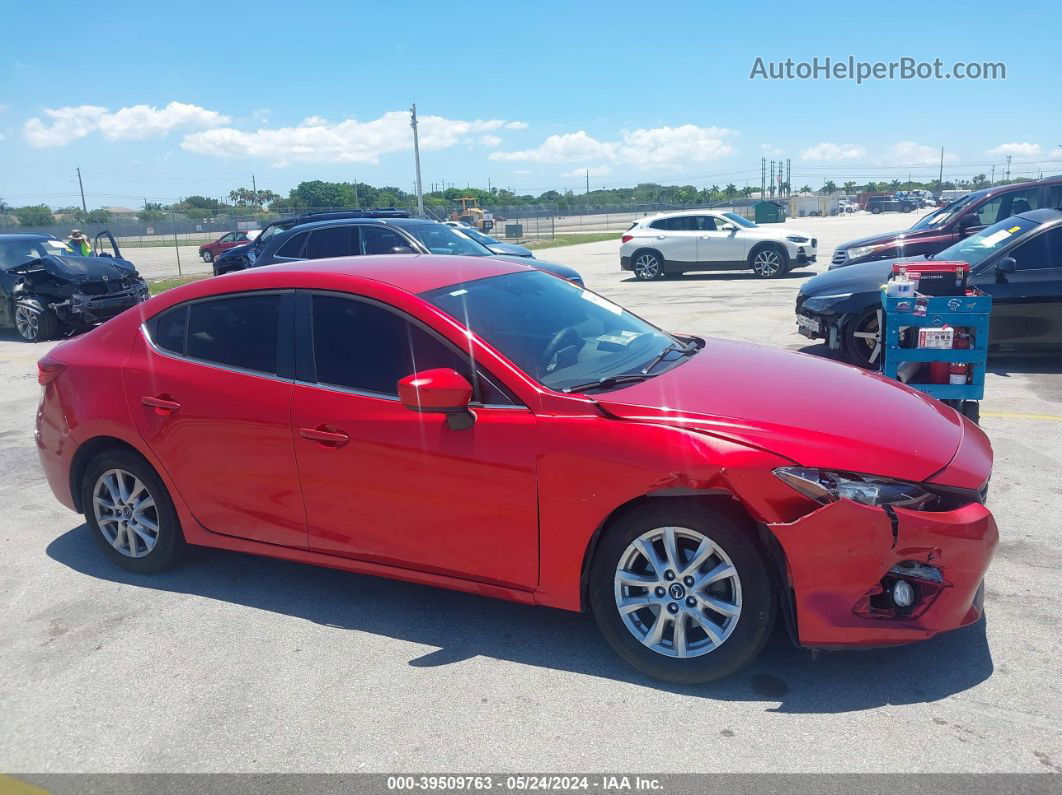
(1017,261)
(366,236)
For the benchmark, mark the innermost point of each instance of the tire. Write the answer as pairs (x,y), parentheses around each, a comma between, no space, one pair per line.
(748,587)
(769,262)
(124,533)
(875,211)
(648,265)
(34,322)
(208,256)
(972,410)
(862,339)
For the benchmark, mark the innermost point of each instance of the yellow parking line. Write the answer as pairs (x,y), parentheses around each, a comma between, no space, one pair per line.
(13,786)
(1015,415)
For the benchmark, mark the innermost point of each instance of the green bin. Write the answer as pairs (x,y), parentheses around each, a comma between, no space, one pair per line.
(769,212)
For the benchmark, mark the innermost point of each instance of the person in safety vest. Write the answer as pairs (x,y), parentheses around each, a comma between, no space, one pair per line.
(79,243)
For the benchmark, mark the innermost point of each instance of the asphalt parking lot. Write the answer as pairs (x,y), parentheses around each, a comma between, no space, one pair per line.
(235,663)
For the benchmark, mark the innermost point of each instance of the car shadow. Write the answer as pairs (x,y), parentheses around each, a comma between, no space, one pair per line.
(1009,364)
(727,276)
(463,626)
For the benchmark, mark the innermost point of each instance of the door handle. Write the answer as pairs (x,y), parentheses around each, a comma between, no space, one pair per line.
(661,237)
(324,437)
(163,404)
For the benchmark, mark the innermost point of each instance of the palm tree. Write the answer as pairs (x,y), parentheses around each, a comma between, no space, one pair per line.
(806,189)
(849,186)
(829,187)
(730,190)
(895,184)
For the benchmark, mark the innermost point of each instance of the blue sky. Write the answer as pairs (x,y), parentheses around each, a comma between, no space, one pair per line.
(159,101)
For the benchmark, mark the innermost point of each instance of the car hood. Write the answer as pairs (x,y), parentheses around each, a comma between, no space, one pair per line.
(550,267)
(510,250)
(896,238)
(774,232)
(235,251)
(81,269)
(860,278)
(813,411)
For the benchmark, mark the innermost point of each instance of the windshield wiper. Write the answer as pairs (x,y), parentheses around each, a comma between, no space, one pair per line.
(609,381)
(685,349)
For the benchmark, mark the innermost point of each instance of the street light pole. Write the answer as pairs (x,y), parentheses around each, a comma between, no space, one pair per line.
(416,156)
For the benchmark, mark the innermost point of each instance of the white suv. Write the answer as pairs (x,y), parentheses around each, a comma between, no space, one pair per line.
(704,240)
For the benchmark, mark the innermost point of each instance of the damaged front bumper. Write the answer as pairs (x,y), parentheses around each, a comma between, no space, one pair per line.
(844,558)
(80,308)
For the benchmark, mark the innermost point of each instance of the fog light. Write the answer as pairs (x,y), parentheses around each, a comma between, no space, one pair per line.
(903,594)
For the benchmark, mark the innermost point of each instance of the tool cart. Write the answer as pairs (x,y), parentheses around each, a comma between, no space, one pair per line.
(938,344)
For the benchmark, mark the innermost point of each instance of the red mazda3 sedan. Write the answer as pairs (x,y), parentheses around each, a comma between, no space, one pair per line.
(481,425)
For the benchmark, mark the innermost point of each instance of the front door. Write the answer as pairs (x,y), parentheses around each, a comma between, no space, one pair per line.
(719,246)
(211,395)
(1027,304)
(389,485)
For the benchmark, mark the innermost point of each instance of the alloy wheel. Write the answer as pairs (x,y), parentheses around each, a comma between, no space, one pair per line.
(868,332)
(27,323)
(647,266)
(677,592)
(767,262)
(126,513)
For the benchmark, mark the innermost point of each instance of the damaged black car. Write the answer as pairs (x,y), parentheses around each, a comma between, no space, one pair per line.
(47,291)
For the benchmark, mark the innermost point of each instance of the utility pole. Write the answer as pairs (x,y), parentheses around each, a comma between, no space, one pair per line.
(788,176)
(940,179)
(992,184)
(1008,168)
(588,182)
(81,185)
(254,185)
(416,157)
(763,177)
(356,202)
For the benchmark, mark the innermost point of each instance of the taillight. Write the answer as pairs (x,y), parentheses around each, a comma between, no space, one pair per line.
(626,238)
(48,370)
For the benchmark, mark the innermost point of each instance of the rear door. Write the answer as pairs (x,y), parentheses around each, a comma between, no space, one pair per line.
(676,239)
(209,387)
(1027,304)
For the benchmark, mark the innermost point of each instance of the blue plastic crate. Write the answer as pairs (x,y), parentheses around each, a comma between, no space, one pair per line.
(957,311)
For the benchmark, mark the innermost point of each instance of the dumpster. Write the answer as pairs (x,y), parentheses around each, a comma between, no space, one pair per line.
(768,212)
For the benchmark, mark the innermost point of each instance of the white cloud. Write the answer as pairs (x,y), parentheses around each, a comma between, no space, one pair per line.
(490,140)
(522,172)
(909,153)
(772,151)
(67,124)
(594,171)
(657,146)
(516,125)
(1015,149)
(831,151)
(317,140)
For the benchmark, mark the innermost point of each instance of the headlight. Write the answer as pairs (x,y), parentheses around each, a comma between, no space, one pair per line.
(797,239)
(860,251)
(824,486)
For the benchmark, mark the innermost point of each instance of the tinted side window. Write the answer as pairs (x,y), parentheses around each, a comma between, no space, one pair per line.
(331,242)
(380,240)
(170,329)
(293,247)
(1037,253)
(239,331)
(1054,197)
(705,223)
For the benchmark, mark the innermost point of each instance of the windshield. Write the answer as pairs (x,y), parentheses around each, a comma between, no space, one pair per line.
(977,248)
(559,334)
(19,252)
(740,220)
(940,217)
(476,235)
(443,239)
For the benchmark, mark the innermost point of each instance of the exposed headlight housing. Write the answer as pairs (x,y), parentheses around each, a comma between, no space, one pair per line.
(860,251)
(797,239)
(825,486)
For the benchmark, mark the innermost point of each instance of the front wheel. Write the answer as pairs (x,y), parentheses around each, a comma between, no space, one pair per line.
(35,322)
(769,262)
(681,593)
(862,338)
(208,256)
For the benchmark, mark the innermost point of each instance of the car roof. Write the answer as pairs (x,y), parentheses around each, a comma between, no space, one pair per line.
(677,213)
(1042,216)
(414,273)
(27,236)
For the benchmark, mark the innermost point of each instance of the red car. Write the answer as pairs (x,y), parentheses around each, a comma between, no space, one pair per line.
(481,425)
(208,251)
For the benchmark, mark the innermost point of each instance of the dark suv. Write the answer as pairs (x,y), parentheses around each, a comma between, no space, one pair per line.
(889,204)
(349,237)
(947,225)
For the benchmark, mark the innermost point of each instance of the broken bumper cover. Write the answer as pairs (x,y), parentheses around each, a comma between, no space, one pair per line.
(839,555)
(90,309)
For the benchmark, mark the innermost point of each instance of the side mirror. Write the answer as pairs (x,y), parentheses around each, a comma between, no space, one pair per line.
(1007,265)
(440,391)
(401,250)
(968,220)
(728,228)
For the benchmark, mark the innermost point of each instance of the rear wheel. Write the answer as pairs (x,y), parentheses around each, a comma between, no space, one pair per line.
(130,512)
(648,266)
(681,593)
(35,322)
(769,262)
